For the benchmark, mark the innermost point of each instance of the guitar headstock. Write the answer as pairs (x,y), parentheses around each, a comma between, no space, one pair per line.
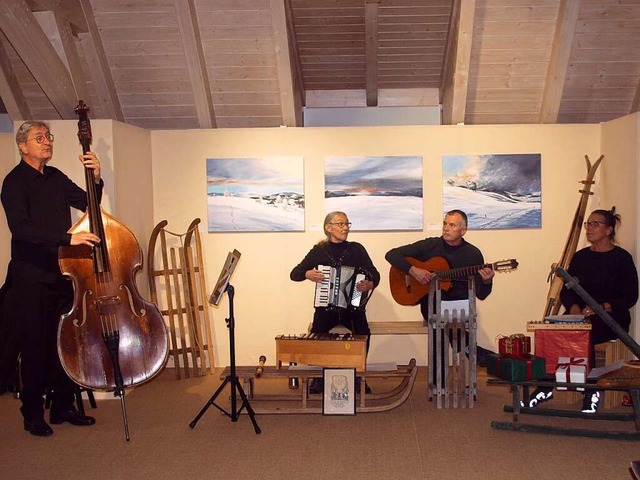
(84,126)
(505,265)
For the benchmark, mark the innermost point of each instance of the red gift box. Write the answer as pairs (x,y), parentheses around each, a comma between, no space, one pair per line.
(552,344)
(516,345)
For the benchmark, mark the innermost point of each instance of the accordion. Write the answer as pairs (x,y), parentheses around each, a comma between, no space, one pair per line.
(338,289)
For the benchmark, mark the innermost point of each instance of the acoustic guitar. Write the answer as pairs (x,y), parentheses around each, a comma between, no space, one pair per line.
(406,290)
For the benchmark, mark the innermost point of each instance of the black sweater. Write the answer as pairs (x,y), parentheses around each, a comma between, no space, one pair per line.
(609,277)
(347,253)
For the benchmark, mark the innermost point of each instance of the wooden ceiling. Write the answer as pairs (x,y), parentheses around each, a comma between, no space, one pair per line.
(189,64)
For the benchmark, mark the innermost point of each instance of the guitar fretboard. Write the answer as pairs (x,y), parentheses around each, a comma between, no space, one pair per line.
(462,271)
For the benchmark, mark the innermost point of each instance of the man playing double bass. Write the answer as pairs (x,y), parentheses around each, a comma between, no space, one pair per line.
(457,252)
(37,200)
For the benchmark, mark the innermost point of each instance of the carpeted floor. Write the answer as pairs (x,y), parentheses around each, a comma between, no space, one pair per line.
(414,441)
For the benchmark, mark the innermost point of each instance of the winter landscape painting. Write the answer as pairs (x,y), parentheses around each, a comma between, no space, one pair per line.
(376,193)
(495,191)
(255,194)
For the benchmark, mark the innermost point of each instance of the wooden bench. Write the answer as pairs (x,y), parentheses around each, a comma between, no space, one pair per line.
(408,327)
(415,327)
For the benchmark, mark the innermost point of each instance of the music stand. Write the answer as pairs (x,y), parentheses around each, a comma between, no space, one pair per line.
(222,286)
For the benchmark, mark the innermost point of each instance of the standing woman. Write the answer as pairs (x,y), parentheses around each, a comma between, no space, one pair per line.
(335,250)
(606,271)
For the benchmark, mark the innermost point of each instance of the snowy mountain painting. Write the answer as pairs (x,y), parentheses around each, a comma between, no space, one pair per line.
(255,194)
(376,193)
(495,191)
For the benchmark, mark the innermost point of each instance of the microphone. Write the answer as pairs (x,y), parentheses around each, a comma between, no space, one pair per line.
(260,366)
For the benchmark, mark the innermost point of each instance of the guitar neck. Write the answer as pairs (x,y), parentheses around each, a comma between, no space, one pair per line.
(462,271)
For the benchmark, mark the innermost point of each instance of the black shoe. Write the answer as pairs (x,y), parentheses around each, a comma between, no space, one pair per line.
(316,386)
(539,395)
(38,427)
(73,416)
(590,401)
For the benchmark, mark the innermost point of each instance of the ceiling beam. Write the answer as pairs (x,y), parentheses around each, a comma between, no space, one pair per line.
(10,91)
(371,51)
(559,61)
(103,84)
(290,115)
(294,57)
(58,30)
(68,9)
(455,71)
(196,66)
(32,45)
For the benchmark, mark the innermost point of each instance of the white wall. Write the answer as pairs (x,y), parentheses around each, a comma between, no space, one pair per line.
(267,303)
(621,148)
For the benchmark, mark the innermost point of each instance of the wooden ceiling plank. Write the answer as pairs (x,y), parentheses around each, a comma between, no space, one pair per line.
(290,100)
(371,14)
(107,96)
(32,45)
(559,62)
(196,66)
(455,78)
(10,91)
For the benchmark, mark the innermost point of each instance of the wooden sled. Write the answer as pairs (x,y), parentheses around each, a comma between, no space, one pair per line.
(520,390)
(312,403)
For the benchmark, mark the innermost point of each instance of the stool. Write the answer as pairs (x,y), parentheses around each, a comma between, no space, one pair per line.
(606,354)
(90,397)
(78,397)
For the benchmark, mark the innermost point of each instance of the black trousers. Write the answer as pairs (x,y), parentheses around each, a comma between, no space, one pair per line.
(34,309)
(324,319)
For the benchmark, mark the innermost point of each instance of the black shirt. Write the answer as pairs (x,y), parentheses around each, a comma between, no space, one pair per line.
(37,206)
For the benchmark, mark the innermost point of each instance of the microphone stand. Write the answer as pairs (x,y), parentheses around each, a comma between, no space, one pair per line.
(232,378)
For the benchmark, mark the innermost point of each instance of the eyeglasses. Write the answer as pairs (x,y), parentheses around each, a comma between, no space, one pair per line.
(593,224)
(342,224)
(40,138)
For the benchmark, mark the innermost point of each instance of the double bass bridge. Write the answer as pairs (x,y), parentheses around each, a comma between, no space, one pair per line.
(108,304)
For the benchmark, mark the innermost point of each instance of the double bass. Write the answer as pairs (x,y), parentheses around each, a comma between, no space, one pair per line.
(112,338)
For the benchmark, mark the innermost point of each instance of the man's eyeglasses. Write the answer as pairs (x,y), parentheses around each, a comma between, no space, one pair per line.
(593,224)
(40,138)
(342,224)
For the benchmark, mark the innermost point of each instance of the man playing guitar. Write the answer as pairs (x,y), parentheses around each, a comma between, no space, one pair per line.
(457,252)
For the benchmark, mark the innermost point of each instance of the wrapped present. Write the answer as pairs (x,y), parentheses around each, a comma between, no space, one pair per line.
(515,369)
(572,370)
(516,345)
(552,344)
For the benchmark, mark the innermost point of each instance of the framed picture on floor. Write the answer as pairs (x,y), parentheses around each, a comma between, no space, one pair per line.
(339,395)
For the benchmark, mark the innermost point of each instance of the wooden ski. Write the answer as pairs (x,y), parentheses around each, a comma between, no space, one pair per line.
(553,297)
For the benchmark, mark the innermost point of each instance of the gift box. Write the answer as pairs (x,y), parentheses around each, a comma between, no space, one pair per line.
(516,345)
(515,369)
(572,370)
(552,344)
